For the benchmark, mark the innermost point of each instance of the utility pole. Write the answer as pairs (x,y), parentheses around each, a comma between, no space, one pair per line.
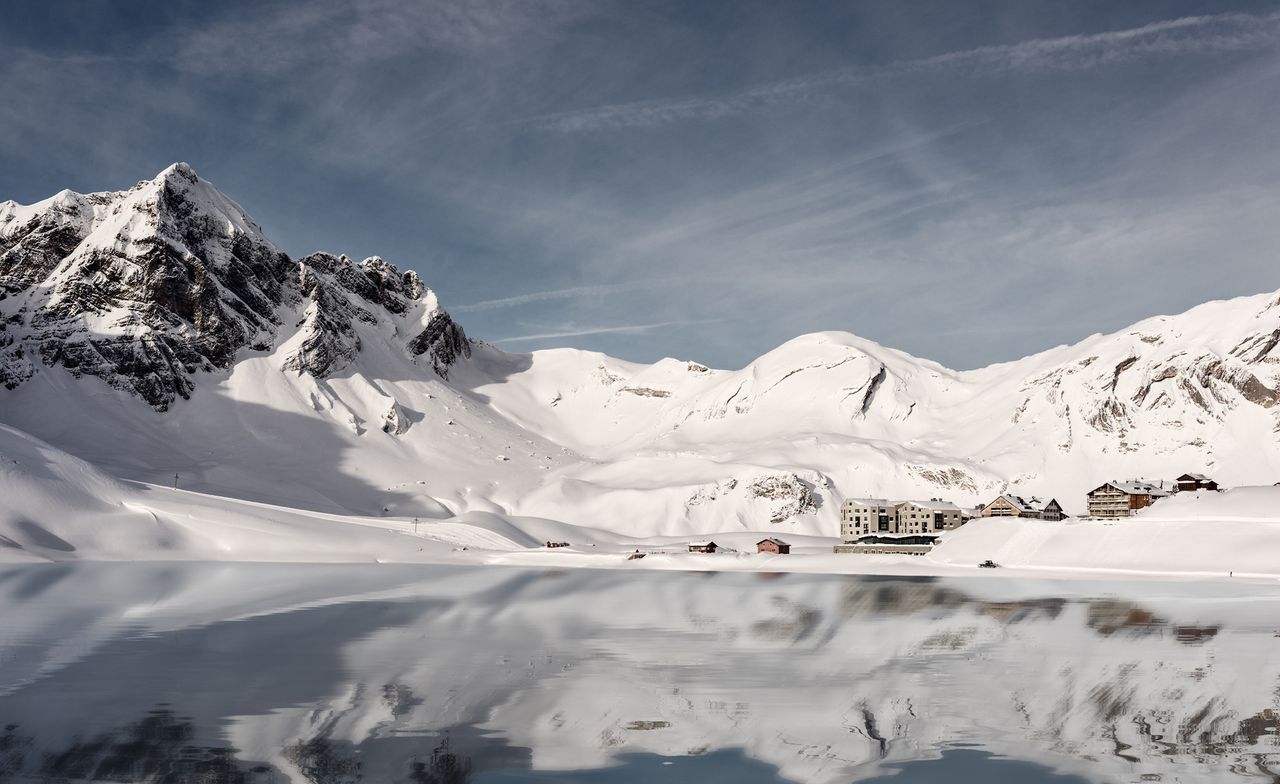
(175,481)
(415,526)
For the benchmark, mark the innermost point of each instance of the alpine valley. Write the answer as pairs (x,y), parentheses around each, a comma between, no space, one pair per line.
(157,331)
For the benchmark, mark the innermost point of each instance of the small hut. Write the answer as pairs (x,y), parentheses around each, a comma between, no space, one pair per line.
(774,546)
(703,547)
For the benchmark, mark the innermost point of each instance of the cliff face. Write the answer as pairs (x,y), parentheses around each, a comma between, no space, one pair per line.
(147,287)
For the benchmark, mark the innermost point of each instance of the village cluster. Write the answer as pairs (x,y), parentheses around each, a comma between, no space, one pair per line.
(878,525)
(874,525)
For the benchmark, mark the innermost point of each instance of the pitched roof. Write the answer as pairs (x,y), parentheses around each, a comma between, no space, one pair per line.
(869,501)
(773,539)
(1196,477)
(1017,501)
(1136,487)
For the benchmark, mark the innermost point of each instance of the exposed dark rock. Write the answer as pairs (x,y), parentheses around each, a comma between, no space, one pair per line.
(443,341)
(1120,368)
(876,381)
(1109,416)
(793,495)
(171,279)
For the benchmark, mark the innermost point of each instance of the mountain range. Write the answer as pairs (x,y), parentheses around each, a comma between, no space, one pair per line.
(157,332)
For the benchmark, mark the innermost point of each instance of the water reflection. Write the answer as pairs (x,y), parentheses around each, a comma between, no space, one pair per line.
(970,765)
(255,673)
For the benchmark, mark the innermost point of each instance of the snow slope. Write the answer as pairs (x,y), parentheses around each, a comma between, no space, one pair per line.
(58,507)
(158,331)
(1194,534)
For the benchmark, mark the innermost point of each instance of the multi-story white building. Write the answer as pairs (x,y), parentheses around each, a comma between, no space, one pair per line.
(922,517)
(862,516)
(869,516)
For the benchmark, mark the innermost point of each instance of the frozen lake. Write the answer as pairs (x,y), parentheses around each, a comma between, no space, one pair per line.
(297,673)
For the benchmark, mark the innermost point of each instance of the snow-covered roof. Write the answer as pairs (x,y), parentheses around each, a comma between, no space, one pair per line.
(773,539)
(1196,477)
(1020,503)
(941,506)
(1138,487)
(868,501)
(707,543)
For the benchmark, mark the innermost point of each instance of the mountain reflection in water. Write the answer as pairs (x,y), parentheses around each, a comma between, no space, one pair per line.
(275,673)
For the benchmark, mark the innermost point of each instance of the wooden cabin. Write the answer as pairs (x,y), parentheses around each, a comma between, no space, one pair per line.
(703,547)
(774,546)
(1189,483)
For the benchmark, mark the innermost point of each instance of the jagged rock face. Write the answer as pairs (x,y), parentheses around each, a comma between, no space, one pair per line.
(443,341)
(145,288)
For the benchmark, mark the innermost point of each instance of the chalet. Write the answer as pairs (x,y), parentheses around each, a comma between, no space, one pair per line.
(860,516)
(1122,499)
(1009,505)
(557,544)
(1052,510)
(703,547)
(1189,483)
(772,545)
(1048,510)
(919,517)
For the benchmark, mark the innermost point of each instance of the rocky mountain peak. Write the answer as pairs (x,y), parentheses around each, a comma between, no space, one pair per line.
(148,287)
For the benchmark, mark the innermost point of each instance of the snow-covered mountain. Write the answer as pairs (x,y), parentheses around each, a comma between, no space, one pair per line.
(157,331)
(147,287)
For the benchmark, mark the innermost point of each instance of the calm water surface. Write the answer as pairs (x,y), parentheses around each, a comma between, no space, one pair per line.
(273,673)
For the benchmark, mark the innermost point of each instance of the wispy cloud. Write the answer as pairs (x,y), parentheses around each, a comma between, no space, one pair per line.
(328,32)
(584,331)
(575,292)
(1210,34)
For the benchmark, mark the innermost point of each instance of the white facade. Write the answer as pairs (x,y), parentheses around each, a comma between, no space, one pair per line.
(923,517)
(869,516)
(862,516)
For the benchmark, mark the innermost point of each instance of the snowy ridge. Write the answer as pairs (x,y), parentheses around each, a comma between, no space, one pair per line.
(157,331)
(148,287)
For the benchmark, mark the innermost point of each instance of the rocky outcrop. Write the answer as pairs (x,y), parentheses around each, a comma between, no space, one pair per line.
(442,342)
(792,496)
(146,288)
(395,421)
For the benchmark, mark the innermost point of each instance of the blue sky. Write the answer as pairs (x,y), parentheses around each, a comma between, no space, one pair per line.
(968,181)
